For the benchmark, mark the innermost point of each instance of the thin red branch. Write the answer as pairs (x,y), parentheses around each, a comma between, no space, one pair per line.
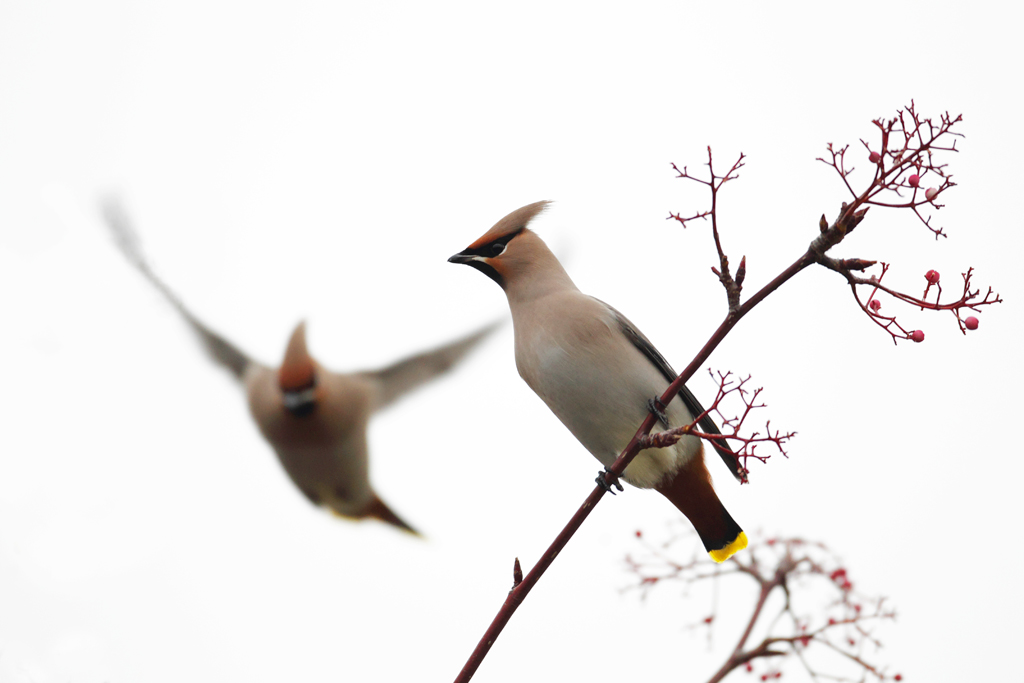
(917,140)
(970,300)
(715,183)
(731,426)
(798,570)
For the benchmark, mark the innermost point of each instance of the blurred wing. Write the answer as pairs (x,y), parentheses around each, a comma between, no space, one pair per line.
(402,377)
(221,350)
(692,404)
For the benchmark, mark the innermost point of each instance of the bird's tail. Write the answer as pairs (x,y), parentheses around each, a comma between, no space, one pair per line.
(377,509)
(692,493)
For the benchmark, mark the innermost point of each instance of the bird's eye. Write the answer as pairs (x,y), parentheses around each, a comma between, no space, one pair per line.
(497,248)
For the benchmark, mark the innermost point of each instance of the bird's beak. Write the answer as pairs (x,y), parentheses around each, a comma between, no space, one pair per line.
(479,262)
(462,257)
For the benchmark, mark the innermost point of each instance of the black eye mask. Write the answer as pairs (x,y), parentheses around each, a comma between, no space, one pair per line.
(300,402)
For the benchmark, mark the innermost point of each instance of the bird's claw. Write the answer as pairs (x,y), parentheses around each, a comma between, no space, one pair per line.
(608,488)
(657,408)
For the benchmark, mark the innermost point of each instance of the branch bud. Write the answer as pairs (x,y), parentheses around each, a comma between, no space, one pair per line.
(823,223)
(517,574)
(741,272)
(858,216)
(857,263)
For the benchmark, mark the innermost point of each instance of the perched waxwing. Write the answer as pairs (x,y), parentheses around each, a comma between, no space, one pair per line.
(314,419)
(598,374)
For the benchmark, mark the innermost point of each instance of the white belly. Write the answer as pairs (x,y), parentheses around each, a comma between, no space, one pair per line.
(598,384)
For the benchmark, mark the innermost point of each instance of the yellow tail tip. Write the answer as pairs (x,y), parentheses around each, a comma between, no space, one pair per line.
(723,554)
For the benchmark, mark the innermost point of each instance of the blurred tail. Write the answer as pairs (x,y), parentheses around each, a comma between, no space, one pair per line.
(377,509)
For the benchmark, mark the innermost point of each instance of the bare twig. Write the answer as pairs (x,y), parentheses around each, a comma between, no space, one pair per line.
(728,386)
(840,621)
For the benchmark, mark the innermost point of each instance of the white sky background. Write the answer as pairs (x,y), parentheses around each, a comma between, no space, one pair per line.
(310,161)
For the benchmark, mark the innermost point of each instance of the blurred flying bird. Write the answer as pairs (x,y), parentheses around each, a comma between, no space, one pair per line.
(314,419)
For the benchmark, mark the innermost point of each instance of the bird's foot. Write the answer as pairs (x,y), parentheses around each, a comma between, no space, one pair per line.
(608,488)
(657,408)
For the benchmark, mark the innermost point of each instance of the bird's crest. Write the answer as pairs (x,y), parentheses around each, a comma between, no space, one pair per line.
(297,369)
(514,222)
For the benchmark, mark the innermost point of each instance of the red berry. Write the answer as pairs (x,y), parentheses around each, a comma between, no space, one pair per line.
(874,157)
(750,667)
(930,193)
(971,323)
(639,533)
(874,305)
(917,335)
(764,677)
(897,677)
(914,180)
(708,620)
(932,276)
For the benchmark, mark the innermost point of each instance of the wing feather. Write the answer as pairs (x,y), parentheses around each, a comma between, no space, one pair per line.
(401,377)
(219,349)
